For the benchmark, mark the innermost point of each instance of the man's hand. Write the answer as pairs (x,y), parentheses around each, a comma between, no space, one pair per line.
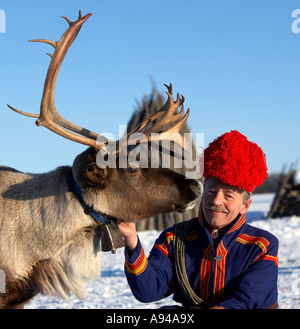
(129,234)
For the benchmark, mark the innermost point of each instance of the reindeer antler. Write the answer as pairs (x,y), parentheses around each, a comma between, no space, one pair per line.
(166,115)
(48,116)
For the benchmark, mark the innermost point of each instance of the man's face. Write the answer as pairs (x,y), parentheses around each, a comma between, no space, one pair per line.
(222,203)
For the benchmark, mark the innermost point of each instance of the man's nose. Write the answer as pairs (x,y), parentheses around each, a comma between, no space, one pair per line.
(218,199)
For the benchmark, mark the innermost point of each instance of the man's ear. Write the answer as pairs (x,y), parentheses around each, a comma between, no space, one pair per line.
(245,207)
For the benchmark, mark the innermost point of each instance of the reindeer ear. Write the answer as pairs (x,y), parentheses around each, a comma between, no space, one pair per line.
(86,171)
(96,176)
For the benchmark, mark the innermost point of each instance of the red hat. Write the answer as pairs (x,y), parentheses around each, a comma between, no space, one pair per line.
(235,161)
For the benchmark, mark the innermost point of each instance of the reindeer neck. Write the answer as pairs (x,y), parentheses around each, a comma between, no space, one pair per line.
(98,216)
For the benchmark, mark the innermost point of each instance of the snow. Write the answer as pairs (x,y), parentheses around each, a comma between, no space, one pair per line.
(110,290)
(296,177)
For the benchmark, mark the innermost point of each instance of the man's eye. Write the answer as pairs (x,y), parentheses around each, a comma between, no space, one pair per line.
(228,196)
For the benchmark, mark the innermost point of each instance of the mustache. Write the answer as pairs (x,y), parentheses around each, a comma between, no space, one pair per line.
(211,206)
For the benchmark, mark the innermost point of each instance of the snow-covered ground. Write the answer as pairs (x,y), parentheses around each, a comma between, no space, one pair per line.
(110,290)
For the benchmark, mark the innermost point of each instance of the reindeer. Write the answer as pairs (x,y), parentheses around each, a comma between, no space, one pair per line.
(53,226)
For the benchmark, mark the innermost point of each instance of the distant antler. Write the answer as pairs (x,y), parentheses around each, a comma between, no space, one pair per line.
(48,116)
(166,115)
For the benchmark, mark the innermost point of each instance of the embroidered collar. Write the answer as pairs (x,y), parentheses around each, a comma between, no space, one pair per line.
(89,210)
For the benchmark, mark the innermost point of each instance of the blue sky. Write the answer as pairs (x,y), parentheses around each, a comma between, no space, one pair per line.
(236,62)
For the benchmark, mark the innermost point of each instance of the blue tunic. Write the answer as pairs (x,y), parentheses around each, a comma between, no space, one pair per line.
(239,272)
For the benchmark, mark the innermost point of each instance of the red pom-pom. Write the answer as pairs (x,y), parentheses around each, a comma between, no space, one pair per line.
(236,161)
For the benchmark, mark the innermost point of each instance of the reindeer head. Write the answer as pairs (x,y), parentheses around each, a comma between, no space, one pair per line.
(132,192)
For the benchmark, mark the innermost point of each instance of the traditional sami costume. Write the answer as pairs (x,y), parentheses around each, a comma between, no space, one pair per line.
(237,270)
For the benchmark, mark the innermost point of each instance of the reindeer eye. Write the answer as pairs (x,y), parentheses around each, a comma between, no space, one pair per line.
(133,170)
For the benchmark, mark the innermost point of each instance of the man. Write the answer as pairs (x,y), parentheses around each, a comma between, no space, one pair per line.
(228,263)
